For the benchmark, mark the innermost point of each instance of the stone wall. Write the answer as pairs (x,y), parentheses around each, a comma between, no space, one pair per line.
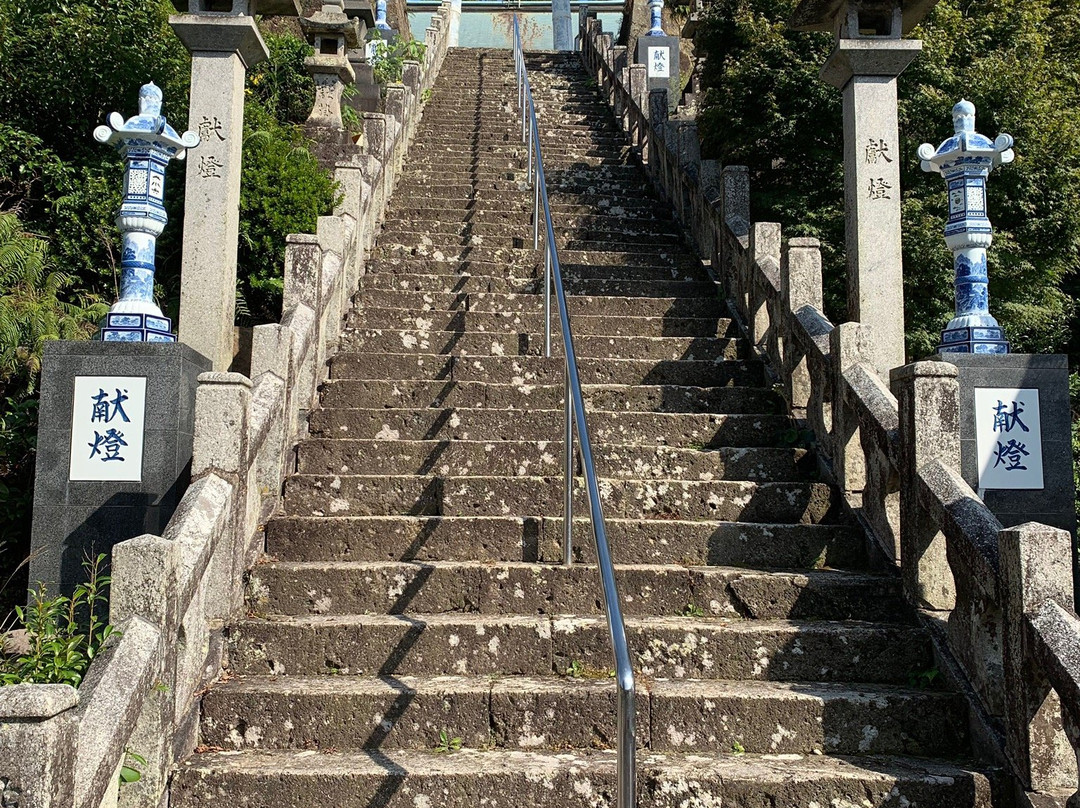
(999,601)
(172,595)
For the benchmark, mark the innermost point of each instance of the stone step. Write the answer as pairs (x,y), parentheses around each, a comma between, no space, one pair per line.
(674,647)
(505,778)
(614,230)
(633,541)
(650,431)
(508,779)
(470,284)
(579,287)
(481,343)
(484,587)
(382,272)
(472,495)
(495,396)
(517,196)
(578,305)
(370,317)
(530,370)
(323,712)
(437,451)
(444,210)
(630,256)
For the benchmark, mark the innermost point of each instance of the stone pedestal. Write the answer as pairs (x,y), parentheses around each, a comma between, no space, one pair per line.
(115,434)
(1054,502)
(660,55)
(222,48)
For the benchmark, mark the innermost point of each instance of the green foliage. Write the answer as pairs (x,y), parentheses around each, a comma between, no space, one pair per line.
(923,678)
(766,108)
(32,308)
(64,633)
(390,57)
(281,84)
(282,190)
(64,66)
(129,769)
(737,748)
(692,610)
(447,744)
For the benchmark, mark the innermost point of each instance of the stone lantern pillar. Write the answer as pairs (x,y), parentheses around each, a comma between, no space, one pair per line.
(562,25)
(146,143)
(224,42)
(869,56)
(333,33)
(965,160)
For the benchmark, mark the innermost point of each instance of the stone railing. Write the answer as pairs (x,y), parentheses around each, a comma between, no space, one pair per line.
(999,601)
(172,595)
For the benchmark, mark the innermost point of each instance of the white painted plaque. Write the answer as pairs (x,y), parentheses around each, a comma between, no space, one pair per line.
(107,425)
(659,63)
(1008,434)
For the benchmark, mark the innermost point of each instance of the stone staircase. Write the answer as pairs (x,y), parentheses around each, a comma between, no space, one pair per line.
(411,601)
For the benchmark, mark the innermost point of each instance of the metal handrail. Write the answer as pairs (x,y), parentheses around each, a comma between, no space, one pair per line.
(574,410)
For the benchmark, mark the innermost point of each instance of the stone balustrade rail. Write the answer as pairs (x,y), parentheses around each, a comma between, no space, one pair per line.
(172,595)
(999,601)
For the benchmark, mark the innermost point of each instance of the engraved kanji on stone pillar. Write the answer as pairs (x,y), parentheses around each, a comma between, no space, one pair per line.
(224,42)
(869,56)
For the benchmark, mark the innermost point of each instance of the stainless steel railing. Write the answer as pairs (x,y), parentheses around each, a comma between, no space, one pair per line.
(574,409)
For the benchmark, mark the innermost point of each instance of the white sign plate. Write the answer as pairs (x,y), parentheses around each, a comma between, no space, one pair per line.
(659,63)
(107,425)
(1008,433)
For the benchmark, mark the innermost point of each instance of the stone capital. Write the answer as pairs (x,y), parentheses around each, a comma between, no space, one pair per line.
(206,33)
(869,57)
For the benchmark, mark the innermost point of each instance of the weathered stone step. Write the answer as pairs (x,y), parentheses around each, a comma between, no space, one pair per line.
(633,257)
(525,267)
(471,284)
(656,541)
(467,495)
(510,779)
(495,396)
(518,197)
(529,370)
(436,451)
(614,229)
(588,305)
(369,317)
(485,587)
(521,213)
(675,647)
(479,343)
(320,712)
(649,430)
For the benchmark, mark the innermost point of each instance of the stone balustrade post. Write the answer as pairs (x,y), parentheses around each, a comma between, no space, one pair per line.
(41,718)
(928,402)
(1035,569)
(800,285)
(303,286)
(764,261)
(222,447)
(735,219)
(223,47)
(144,575)
(847,347)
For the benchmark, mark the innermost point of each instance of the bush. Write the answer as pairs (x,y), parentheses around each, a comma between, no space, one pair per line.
(64,634)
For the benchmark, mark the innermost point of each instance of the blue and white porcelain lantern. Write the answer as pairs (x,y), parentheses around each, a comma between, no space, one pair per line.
(965,160)
(656,28)
(380,17)
(147,143)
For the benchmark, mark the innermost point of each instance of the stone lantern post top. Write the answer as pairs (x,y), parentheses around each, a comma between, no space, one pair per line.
(871,18)
(966,146)
(147,130)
